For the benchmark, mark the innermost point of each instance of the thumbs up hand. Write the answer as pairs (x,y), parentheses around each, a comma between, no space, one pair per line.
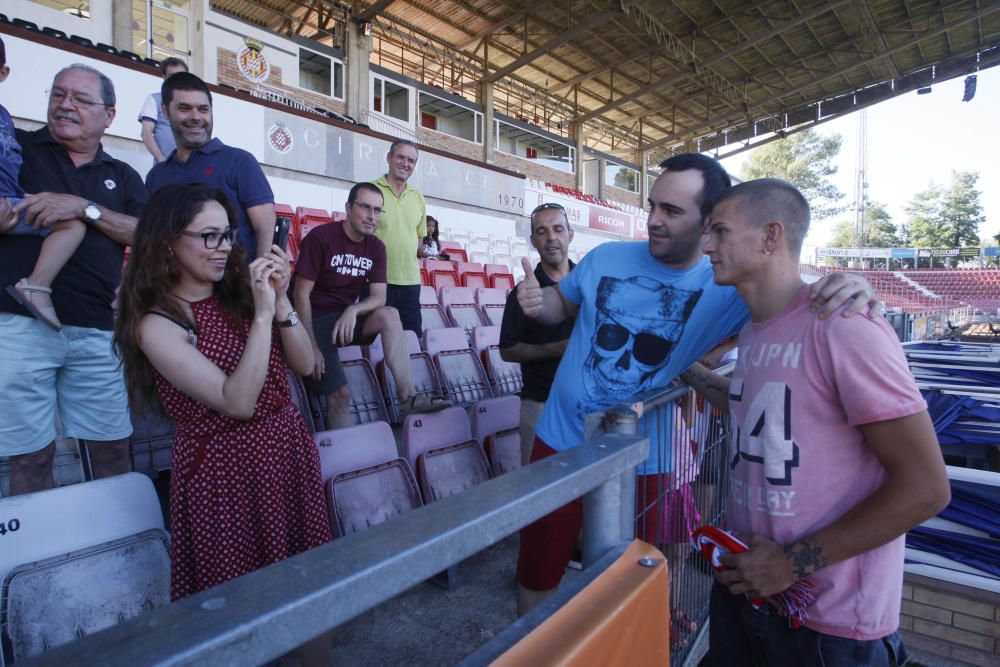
(529,292)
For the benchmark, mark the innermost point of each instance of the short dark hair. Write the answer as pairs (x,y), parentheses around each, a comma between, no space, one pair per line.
(547,206)
(107,86)
(402,142)
(765,199)
(714,174)
(172,62)
(363,185)
(3,53)
(182,81)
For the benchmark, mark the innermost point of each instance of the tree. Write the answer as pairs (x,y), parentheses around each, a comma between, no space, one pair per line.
(804,159)
(947,217)
(880,231)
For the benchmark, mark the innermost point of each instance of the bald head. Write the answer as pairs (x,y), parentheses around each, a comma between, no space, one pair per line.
(771,199)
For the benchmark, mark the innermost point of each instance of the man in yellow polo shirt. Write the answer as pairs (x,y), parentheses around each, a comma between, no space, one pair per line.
(403,225)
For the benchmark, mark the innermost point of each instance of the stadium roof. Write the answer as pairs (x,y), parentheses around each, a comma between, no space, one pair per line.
(661,75)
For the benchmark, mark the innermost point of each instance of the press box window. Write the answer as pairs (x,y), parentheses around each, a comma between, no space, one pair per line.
(321,74)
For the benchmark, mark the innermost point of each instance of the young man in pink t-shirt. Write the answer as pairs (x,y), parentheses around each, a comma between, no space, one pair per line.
(833,456)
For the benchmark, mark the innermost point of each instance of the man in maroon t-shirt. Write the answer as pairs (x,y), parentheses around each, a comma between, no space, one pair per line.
(336,262)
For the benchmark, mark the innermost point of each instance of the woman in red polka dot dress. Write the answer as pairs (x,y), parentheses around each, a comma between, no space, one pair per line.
(209,337)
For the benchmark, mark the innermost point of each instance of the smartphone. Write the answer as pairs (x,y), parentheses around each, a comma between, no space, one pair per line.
(281,227)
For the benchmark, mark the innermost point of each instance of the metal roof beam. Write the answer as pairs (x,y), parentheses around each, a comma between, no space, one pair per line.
(695,64)
(372,10)
(502,24)
(868,19)
(592,22)
(689,132)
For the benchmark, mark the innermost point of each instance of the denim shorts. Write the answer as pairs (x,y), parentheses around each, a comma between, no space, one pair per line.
(741,636)
(74,371)
(22,228)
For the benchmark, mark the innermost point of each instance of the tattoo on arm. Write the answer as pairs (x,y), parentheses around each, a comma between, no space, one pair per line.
(806,557)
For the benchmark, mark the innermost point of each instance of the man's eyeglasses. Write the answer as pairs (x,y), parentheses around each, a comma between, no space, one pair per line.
(213,240)
(368,209)
(57,96)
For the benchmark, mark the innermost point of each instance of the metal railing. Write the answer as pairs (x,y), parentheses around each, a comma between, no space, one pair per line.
(682,485)
(263,615)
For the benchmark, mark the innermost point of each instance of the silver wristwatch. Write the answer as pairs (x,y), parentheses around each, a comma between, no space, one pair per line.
(293,319)
(91,213)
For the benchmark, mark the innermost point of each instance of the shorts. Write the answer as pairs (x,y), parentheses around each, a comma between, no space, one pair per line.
(664,515)
(333,375)
(22,228)
(74,371)
(547,544)
(739,635)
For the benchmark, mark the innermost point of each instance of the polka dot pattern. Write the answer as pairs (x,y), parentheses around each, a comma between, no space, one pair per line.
(243,494)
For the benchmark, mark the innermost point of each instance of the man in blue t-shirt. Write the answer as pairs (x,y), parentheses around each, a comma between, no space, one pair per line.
(187,104)
(644,313)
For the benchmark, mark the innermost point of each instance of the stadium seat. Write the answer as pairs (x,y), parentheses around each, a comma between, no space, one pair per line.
(471,274)
(367,404)
(459,305)
(365,479)
(454,250)
(447,458)
(460,369)
(52,32)
(422,373)
(432,316)
(315,422)
(428,295)
(499,276)
(442,273)
(24,24)
(495,423)
(505,376)
(105,539)
(309,219)
(491,302)
(480,257)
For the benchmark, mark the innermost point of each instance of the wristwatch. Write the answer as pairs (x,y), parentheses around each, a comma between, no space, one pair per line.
(293,319)
(91,213)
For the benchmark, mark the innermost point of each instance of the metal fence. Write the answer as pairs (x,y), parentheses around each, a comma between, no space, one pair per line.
(263,615)
(682,485)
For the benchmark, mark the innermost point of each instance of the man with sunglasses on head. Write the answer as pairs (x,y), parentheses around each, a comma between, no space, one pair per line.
(200,158)
(644,313)
(538,347)
(336,263)
(66,175)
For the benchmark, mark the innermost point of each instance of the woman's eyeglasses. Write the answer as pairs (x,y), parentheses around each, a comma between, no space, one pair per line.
(213,240)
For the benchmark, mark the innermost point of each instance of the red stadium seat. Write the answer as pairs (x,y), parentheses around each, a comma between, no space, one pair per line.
(310,218)
(499,276)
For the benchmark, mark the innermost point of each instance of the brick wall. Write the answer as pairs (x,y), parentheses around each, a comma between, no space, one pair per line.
(620,195)
(229,74)
(951,620)
(446,142)
(533,170)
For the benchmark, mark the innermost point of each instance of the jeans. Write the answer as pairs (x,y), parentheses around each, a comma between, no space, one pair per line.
(406,300)
(741,635)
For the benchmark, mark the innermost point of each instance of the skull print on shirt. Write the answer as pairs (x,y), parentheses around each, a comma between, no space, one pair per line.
(639,320)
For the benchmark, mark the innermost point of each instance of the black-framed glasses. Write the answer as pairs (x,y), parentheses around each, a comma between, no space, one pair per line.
(545,207)
(57,95)
(213,240)
(368,208)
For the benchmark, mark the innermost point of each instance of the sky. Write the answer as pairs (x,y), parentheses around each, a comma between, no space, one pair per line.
(915,139)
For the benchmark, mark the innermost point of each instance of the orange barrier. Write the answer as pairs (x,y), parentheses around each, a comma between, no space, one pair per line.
(621,618)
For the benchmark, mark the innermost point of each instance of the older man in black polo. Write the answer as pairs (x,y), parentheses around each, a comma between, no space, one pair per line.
(66,175)
(538,347)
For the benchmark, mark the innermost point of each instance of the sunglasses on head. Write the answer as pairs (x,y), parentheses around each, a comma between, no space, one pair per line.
(546,206)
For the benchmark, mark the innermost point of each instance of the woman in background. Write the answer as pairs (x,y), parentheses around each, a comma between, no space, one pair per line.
(205,338)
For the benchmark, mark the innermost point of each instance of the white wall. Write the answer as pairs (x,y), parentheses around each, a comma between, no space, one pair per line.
(97,28)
